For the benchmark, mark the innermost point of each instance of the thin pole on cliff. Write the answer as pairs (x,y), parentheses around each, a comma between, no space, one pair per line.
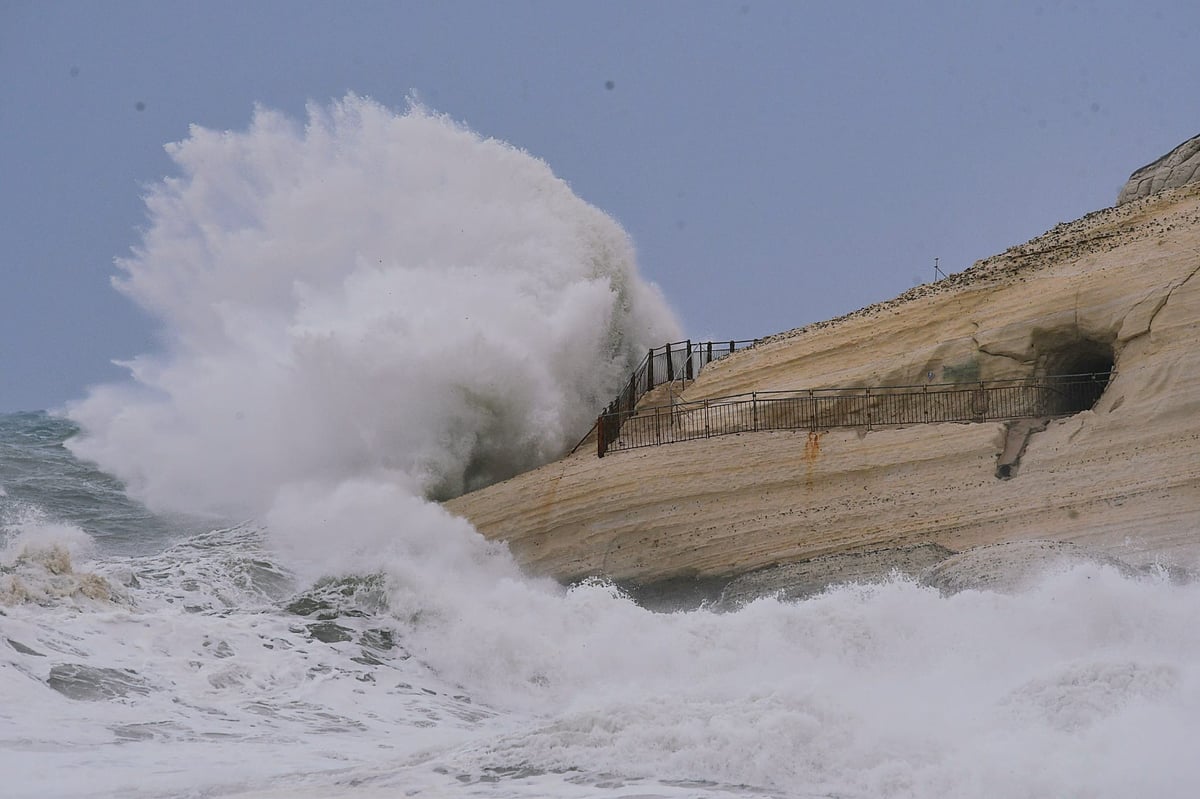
(937,271)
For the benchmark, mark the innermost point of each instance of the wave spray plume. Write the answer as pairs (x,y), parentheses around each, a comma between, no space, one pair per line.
(370,294)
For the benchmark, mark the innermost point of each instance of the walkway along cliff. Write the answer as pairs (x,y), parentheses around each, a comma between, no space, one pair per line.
(868,408)
(1116,290)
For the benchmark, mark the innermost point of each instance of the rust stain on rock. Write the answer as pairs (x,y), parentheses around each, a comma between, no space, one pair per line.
(812,450)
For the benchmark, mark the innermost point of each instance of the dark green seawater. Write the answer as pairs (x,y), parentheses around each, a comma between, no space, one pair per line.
(41,481)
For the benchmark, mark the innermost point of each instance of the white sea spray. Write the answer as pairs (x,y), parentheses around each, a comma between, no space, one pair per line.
(370,294)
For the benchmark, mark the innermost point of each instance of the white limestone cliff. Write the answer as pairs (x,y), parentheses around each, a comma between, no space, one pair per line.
(1118,287)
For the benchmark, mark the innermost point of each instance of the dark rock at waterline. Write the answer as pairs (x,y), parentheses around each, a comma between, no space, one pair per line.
(1005,568)
(23,649)
(1015,565)
(329,632)
(805,578)
(93,684)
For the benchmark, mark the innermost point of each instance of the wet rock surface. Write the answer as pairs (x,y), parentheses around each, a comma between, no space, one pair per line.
(94,684)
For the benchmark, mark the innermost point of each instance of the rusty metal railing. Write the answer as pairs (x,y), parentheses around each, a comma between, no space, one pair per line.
(869,407)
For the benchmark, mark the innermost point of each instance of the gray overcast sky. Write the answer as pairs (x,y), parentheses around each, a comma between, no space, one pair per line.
(775,163)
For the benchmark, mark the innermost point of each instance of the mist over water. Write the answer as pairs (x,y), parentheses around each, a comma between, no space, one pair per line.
(374,308)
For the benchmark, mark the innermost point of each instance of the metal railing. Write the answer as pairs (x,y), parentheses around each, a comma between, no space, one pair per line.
(677,361)
(823,409)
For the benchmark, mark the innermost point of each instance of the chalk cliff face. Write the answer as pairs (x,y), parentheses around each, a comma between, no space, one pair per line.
(1118,287)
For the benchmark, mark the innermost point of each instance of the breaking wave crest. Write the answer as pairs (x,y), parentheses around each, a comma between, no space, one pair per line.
(368,295)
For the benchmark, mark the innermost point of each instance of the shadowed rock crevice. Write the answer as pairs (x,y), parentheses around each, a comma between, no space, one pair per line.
(1016,439)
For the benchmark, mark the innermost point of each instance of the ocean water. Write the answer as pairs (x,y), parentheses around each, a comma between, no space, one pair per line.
(227,576)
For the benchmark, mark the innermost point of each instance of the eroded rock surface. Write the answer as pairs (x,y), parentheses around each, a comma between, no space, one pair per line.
(1177,168)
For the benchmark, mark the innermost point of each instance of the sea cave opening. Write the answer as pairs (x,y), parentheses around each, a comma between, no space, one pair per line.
(1081,368)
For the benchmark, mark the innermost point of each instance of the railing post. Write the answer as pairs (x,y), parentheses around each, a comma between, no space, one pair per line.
(706,418)
(650,370)
(670,365)
(709,352)
(867,396)
(754,409)
(688,363)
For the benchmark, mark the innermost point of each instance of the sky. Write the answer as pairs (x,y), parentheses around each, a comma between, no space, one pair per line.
(775,163)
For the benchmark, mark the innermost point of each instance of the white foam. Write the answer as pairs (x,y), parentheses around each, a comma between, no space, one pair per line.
(28,528)
(886,690)
(199,679)
(41,559)
(1087,684)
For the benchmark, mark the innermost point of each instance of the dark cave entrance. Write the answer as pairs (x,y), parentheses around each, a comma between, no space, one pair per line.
(1078,371)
